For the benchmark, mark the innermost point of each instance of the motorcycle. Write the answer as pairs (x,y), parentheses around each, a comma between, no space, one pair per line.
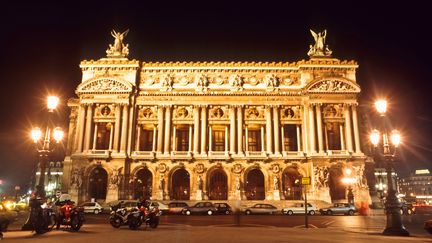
(121,216)
(70,215)
(150,215)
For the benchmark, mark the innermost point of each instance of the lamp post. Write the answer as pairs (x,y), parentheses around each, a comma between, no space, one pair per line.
(44,148)
(349,180)
(385,148)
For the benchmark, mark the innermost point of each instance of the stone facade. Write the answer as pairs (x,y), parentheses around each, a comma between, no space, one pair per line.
(214,130)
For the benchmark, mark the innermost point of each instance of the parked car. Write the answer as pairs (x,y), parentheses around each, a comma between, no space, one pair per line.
(261,208)
(339,208)
(92,207)
(163,208)
(223,208)
(299,208)
(201,208)
(428,226)
(176,207)
(128,204)
(6,217)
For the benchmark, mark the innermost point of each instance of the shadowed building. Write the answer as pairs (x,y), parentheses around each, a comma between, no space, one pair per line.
(214,130)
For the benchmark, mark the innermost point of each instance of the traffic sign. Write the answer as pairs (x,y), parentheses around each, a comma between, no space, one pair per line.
(306,181)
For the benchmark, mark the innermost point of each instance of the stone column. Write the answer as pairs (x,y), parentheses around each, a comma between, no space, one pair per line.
(247,140)
(356,129)
(269,130)
(88,127)
(111,137)
(341,131)
(154,138)
(167,129)
(262,139)
(283,139)
(196,130)
(81,121)
(240,129)
(211,140)
(299,149)
(95,136)
(232,130)
(137,143)
(276,130)
(203,130)
(304,129)
(160,129)
(311,130)
(319,128)
(124,132)
(226,140)
(174,139)
(348,128)
(190,139)
(117,127)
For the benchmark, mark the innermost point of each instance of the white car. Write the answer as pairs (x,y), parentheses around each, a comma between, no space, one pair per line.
(299,208)
(162,206)
(92,207)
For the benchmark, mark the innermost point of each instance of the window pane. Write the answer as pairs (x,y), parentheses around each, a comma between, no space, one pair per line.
(290,137)
(182,139)
(146,140)
(218,143)
(254,140)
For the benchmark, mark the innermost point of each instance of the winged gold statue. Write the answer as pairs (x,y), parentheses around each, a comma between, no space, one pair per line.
(119,49)
(319,49)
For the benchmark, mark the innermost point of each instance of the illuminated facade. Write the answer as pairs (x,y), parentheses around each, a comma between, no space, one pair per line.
(214,130)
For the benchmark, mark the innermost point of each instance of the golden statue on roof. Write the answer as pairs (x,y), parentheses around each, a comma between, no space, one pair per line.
(319,49)
(119,49)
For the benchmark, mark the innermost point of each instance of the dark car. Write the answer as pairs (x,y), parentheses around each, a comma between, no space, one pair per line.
(428,226)
(261,208)
(339,208)
(176,207)
(200,208)
(6,217)
(223,208)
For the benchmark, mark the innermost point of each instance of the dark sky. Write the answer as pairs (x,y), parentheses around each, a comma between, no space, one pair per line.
(42,44)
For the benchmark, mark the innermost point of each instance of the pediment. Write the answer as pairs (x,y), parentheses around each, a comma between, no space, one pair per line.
(333,85)
(104,85)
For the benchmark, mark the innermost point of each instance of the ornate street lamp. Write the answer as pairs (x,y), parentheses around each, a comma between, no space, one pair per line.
(44,147)
(385,148)
(349,180)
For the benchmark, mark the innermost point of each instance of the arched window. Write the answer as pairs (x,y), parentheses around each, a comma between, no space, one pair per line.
(142,184)
(254,186)
(291,184)
(180,185)
(218,185)
(98,182)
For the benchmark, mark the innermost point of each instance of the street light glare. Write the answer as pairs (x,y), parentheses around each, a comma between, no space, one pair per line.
(375,137)
(381,106)
(395,138)
(52,102)
(36,134)
(58,134)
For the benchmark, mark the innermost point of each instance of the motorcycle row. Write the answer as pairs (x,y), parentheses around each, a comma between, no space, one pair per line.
(44,218)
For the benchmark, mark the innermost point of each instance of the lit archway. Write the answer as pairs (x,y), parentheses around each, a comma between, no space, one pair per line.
(218,185)
(337,188)
(254,186)
(142,184)
(98,181)
(180,185)
(291,183)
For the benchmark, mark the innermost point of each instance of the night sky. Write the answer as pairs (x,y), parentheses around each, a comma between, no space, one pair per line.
(43,43)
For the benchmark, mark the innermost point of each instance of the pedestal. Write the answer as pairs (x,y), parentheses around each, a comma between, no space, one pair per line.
(276,195)
(323,194)
(112,194)
(73,192)
(199,195)
(160,195)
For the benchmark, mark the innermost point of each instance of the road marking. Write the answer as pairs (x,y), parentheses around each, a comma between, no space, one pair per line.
(327,223)
(303,226)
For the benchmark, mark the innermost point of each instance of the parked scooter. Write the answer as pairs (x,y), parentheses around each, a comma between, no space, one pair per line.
(121,216)
(150,215)
(70,215)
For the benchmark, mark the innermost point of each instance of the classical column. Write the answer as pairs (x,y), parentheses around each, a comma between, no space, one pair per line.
(269,134)
(299,149)
(232,130)
(117,127)
(160,129)
(203,129)
(283,139)
(190,139)
(226,140)
(304,129)
(342,137)
(95,136)
(276,130)
(167,129)
(88,127)
(240,129)
(81,122)
(319,128)
(356,129)
(111,136)
(247,139)
(211,140)
(311,130)
(138,138)
(262,139)
(196,130)
(124,132)
(174,139)
(154,138)
(348,128)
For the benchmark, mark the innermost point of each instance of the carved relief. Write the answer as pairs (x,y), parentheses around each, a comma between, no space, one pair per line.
(219,112)
(200,168)
(333,111)
(184,80)
(236,82)
(147,113)
(291,112)
(105,85)
(166,83)
(115,178)
(271,81)
(254,113)
(253,80)
(201,83)
(104,111)
(162,168)
(183,112)
(321,176)
(332,86)
(237,168)
(275,168)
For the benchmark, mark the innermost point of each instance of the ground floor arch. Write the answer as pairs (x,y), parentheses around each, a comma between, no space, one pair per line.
(337,188)
(180,185)
(291,183)
(98,182)
(217,185)
(142,184)
(255,185)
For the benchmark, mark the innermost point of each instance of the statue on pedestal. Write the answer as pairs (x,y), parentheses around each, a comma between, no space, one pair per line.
(118,50)
(319,49)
